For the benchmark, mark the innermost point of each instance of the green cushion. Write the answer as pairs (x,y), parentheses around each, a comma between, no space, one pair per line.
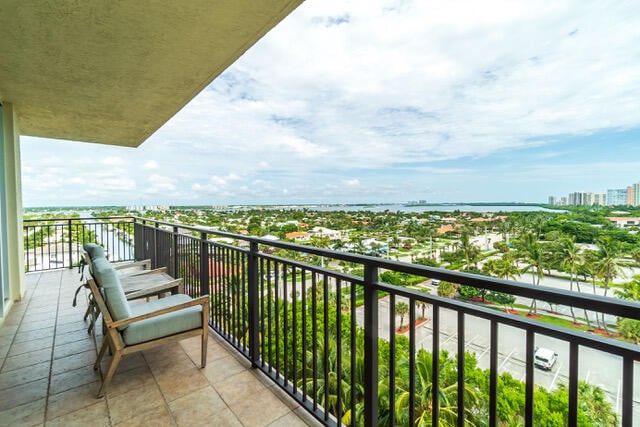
(94,250)
(108,280)
(165,324)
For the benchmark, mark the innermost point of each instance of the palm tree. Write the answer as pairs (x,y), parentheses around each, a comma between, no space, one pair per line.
(532,254)
(589,268)
(608,263)
(447,393)
(470,251)
(402,308)
(571,258)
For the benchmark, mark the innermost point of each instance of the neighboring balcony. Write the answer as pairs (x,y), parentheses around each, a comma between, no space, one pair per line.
(353,350)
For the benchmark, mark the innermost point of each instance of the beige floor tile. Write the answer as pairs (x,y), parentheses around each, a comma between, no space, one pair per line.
(6,330)
(6,340)
(24,393)
(69,317)
(199,405)
(4,349)
(28,346)
(178,383)
(237,387)
(21,360)
(160,358)
(79,325)
(261,409)
(31,413)
(14,318)
(71,400)
(130,379)
(92,415)
(24,375)
(135,402)
(74,361)
(128,362)
(38,316)
(72,379)
(307,418)
(282,395)
(70,337)
(68,349)
(32,326)
(33,335)
(159,417)
(289,420)
(222,369)
(225,417)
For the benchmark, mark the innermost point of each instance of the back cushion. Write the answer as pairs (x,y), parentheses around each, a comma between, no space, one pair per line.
(94,250)
(108,280)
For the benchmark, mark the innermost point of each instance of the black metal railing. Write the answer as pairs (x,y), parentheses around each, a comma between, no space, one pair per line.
(331,340)
(354,350)
(55,243)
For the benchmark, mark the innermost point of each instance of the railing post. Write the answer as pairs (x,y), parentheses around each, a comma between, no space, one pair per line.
(154,261)
(370,345)
(70,244)
(175,251)
(204,264)
(254,326)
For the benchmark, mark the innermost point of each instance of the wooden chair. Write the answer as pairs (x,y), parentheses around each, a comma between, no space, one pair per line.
(142,326)
(137,280)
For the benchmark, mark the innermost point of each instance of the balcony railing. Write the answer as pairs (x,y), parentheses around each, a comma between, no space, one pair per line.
(56,243)
(331,341)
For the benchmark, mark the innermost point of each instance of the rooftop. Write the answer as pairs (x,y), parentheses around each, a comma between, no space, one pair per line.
(46,373)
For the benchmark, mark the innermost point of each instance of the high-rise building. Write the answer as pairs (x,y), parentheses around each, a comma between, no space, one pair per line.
(600,199)
(552,200)
(563,201)
(617,197)
(636,194)
(630,199)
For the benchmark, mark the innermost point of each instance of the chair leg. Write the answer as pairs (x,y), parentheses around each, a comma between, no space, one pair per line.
(112,370)
(203,348)
(103,348)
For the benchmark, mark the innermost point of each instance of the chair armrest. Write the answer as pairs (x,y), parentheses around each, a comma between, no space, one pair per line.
(145,263)
(154,271)
(203,301)
(174,286)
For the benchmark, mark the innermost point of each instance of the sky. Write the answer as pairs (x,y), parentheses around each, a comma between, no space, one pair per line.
(387,101)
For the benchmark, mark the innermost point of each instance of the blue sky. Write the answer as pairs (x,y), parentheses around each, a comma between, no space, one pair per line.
(387,101)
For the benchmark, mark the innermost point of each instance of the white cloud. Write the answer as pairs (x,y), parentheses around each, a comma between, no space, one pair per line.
(160,184)
(150,165)
(401,94)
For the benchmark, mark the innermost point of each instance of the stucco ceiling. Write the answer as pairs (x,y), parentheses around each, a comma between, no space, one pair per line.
(113,72)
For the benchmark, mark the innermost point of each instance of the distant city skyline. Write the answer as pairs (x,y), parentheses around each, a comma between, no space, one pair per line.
(386,102)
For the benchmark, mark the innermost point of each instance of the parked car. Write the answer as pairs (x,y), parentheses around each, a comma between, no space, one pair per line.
(435,282)
(544,358)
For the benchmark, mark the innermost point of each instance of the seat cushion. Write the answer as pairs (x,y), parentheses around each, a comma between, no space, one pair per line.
(165,324)
(109,282)
(94,250)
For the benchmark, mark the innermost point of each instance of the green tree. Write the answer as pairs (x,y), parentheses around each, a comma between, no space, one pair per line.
(608,264)
(532,254)
(447,289)
(402,309)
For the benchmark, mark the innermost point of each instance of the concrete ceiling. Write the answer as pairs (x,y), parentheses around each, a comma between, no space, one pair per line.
(113,72)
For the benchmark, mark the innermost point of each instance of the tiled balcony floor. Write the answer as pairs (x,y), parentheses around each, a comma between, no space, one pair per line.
(46,374)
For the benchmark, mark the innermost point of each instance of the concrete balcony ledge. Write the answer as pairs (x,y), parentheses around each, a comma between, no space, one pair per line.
(46,374)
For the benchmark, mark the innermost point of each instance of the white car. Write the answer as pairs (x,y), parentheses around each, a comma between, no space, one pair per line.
(544,358)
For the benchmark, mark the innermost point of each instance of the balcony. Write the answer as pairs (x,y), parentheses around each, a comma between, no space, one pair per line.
(46,374)
(333,343)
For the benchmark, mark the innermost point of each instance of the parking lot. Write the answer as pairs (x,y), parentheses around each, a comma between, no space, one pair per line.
(595,367)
